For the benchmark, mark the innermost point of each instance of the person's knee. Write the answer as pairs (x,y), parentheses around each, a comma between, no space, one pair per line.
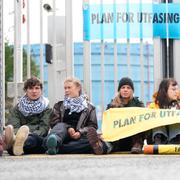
(30,142)
(59,127)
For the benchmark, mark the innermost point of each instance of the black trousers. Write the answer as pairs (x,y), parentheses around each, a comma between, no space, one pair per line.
(32,145)
(67,145)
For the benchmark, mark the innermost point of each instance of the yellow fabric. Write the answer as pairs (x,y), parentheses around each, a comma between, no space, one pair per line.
(153,105)
(119,123)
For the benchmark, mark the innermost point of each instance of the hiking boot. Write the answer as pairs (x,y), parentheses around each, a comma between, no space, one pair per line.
(20,139)
(1,146)
(52,144)
(95,141)
(137,144)
(9,137)
(137,148)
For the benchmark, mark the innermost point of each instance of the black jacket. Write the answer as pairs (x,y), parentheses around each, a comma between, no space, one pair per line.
(87,118)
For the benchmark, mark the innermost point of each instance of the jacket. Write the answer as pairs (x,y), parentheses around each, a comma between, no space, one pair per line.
(173,104)
(87,118)
(153,105)
(37,123)
(134,102)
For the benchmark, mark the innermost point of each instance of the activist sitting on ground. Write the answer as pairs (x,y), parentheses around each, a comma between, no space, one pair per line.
(123,99)
(1,145)
(29,120)
(166,98)
(70,122)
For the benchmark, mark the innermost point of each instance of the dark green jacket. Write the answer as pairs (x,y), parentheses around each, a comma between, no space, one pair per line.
(134,102)
(37,123)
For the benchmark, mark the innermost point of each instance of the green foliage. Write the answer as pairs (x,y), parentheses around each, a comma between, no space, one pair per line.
(34,68)
(9,55)
(8,63)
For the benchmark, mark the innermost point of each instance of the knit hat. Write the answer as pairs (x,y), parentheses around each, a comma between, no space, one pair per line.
(125,81)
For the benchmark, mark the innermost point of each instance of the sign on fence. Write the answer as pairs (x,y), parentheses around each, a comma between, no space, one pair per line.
(113,21)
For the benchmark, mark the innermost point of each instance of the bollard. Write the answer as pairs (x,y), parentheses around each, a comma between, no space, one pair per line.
(162,149)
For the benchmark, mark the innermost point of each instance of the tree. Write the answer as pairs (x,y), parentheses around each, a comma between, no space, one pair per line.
(9,50)
(9,55)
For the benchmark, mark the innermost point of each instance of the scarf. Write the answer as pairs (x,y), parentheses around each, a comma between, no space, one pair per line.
(30,107)
(77,104)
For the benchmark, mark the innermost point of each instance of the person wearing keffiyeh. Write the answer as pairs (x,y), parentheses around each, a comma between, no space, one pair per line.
(27,125)
(70,122)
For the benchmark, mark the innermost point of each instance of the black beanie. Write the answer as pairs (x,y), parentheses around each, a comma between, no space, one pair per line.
(125,81)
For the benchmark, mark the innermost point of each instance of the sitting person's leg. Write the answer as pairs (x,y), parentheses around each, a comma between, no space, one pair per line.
(174,134)
(159,135)
(34,145)
(15,144)
(137,143)
(21,136)
(99,146)
(80,146)
(9,138)
(56,138)
(1,145)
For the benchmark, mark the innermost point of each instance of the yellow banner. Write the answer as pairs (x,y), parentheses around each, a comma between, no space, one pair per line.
(162,149)
(120,123)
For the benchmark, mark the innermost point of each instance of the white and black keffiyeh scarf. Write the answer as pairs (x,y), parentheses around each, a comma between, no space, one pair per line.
(77,104)
(28,107)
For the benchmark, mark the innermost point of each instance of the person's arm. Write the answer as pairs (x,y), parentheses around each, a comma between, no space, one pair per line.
(55,115)
(91,121)
(14,119)
(44,123)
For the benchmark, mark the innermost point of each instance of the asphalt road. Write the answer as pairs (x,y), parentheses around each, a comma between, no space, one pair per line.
(86,167)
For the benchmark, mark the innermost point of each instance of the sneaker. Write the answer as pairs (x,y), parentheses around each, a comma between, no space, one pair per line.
(1,146)
(21,137)
(9,137)
(95,141)
(52,144)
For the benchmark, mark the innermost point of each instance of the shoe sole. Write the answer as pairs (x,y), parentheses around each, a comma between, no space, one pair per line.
(136,151)
(21,137)
(9,136)
(52,145)
(94,141)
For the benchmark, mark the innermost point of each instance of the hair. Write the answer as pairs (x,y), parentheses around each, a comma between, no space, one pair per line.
(31,82)
(75,81)
(162,98)
(119,101)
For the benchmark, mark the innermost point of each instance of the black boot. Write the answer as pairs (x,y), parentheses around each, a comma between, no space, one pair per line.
(137,141)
